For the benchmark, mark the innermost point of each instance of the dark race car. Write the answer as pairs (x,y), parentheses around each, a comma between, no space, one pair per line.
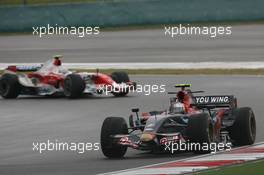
(52,78)
(189,119)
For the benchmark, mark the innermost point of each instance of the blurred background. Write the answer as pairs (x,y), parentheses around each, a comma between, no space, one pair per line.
(28,2)
(22,15)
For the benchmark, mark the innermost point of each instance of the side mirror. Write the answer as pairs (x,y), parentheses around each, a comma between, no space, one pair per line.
(131,121)
(136,110)
(173,99)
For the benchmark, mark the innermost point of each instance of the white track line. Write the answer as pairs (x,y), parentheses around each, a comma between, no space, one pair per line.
(145,170)
(155,65)
(159,171)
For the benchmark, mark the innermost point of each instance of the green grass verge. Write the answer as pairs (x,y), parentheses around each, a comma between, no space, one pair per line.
(185,71)
(251,168)
(178,71)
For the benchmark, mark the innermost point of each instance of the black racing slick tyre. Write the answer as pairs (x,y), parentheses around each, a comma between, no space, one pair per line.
(9,86)
(113,126)
(74,86)
(200,131)
(243,131)
(120,77)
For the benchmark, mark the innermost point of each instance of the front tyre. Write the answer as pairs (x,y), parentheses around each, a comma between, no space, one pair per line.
(200,131)
(113,126)
(73,86)
(243,131)
(9,86)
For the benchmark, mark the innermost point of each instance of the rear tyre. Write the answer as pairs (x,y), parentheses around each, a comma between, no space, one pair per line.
(73,86)
(243,132)
(9,86)
(200,131)
(112,126)
(121,77)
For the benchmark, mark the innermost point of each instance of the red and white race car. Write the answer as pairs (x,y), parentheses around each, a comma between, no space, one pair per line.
(52,78)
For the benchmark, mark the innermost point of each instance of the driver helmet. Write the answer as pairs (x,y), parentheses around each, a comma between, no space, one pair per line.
(57,61)
(178,108)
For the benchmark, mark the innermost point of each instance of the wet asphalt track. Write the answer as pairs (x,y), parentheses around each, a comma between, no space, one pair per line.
(150,45)
(31,119)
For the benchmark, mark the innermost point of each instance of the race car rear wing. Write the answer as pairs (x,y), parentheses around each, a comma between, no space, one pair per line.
(216,101)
